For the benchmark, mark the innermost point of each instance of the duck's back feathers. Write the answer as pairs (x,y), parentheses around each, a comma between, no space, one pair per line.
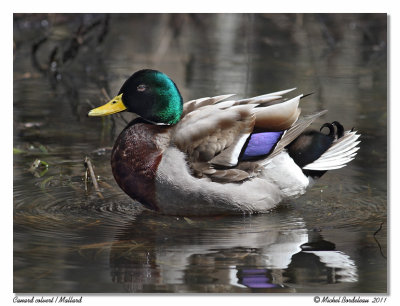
(270,98)
(217,135)
(204,133)
(197,103)
(278,117)
(215,130)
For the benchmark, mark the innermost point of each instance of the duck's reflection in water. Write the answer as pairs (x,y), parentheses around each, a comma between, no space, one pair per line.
(269,253)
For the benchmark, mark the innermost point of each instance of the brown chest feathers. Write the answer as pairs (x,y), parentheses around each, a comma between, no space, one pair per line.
(135,159)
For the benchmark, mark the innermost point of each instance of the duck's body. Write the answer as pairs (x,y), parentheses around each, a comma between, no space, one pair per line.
(155,172)
(212,156)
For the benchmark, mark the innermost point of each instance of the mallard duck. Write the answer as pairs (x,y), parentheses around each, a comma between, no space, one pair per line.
(218,155)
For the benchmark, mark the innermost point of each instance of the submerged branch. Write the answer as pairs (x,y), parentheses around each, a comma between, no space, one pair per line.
(376,240)
(88,165)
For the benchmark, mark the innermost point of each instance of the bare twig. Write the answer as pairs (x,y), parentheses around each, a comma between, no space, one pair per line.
(89,166)
(86,180)
(379,245)
(379,229)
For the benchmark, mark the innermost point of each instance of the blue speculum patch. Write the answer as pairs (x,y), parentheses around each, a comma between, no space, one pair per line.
(261,144)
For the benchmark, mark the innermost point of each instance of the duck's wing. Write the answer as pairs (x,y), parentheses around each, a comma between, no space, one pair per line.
(212,133)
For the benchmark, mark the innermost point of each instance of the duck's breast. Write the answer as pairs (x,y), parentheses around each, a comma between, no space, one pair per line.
(135,158)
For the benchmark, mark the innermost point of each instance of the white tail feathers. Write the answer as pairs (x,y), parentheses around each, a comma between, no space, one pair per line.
(338,155)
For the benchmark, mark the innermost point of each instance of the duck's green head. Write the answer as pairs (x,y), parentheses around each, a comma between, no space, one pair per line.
(148,93)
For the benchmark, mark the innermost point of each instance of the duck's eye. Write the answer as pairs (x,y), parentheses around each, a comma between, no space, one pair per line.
(141,88)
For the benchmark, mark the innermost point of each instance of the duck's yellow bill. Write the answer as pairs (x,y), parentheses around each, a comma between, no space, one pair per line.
(112,107)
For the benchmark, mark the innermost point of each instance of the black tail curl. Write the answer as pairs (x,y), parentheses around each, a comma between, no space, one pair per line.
(310,145)
(339,129)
